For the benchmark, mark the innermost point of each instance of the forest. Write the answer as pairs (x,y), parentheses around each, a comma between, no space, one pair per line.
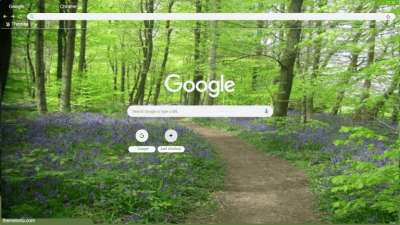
(331,84)
(328,67)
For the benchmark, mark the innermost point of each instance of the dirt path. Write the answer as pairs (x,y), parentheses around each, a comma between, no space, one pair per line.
(261,188)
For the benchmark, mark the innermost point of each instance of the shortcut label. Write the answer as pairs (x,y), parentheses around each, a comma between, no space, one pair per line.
(171,149)
(142,149)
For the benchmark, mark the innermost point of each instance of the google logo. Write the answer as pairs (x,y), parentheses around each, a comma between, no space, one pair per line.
(227,85)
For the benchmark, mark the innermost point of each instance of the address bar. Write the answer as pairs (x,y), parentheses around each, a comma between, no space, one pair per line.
(211,16)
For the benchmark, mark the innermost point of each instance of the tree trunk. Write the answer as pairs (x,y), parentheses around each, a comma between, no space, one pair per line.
(350,70)
(123,81)
(5,53)
(28,55)
(395,118)
(122,87)
(141,97)
(69,63)
(195,96)
(65,39)
(82,59)
(393,85)
(28,80)
(181,97)
(396,108)
(164,62)
(40,66)
(114,66)
(48,67)
(212,58)
(127,78)
(115,69)
(288,60)
(147,52)
(60,38)
(346,79)
(302,76)
(183,93)
(303,116)
(186,98)
(136,84)
(260,25)
(281,35)
(151,89)
(315,68)
(361,114)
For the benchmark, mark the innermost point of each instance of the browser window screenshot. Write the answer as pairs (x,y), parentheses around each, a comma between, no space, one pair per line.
(200,111)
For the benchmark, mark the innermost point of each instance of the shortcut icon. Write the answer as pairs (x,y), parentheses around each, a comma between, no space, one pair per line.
(142,135)
(171,135)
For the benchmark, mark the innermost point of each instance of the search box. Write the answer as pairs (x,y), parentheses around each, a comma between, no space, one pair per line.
(211,16)
(200,111)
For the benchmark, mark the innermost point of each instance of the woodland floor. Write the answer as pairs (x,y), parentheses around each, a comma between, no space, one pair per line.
(260,188)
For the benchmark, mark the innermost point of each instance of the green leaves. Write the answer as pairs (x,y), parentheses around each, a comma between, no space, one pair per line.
(338,179)
(337,142)
(335,189)
(344,129)
(11,171)
(364,183)
(336,204)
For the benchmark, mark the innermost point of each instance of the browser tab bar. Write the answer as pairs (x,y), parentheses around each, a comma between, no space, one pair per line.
(211,16)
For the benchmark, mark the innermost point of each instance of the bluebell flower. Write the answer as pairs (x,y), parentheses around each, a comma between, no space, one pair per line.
(163,188)
(49,157)
(373,219)
(39,184)
(38,196)
(52,193)
(141,195)
(136,216)
(102,185)
(29,173)
(8,188)
(92,195)
(22,194)
(166,216)
(127,218)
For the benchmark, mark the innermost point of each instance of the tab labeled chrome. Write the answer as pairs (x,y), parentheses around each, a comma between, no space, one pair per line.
(142,149)
(200,111)
(171,149)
